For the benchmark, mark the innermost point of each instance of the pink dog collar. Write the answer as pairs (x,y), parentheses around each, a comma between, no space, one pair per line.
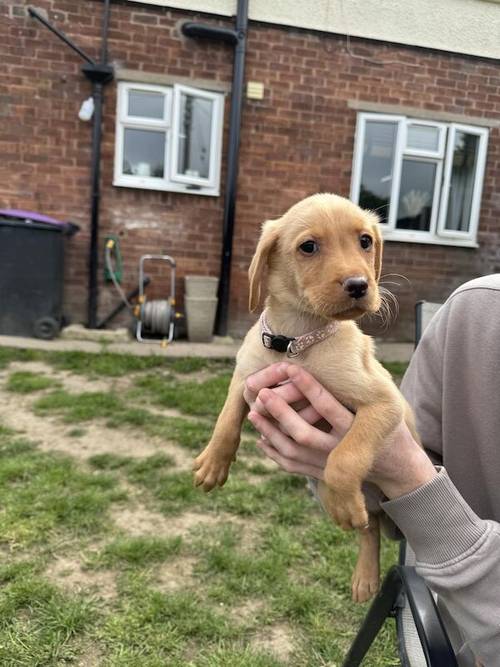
(293,346)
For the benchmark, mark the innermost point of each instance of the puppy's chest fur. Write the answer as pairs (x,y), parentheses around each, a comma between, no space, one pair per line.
(343,363)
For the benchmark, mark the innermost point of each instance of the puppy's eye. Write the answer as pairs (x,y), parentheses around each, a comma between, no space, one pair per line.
(309,247)
(365,241)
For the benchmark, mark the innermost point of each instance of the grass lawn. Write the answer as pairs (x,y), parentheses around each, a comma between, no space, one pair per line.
(111,558)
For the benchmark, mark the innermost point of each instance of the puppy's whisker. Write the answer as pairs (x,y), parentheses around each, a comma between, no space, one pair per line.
(389,306)
(380,208)
(396,275)
(388,282)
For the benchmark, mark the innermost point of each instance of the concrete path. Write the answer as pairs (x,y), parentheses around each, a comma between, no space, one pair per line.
(219,348)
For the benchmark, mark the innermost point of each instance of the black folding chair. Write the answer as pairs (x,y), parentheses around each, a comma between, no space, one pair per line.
(404,595)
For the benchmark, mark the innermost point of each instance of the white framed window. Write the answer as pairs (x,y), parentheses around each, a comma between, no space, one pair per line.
(423,178)
(168,138)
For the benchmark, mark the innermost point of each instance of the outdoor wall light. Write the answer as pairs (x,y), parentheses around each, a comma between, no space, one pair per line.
(87,109)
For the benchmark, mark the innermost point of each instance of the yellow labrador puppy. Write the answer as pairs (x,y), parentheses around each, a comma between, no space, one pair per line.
(323,260)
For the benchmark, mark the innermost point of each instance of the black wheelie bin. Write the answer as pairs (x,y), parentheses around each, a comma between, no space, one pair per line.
(31,273)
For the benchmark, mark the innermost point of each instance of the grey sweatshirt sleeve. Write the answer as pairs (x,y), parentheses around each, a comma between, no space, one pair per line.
(458,554)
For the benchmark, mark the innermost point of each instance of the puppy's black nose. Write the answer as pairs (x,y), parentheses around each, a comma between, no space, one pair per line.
(356,287)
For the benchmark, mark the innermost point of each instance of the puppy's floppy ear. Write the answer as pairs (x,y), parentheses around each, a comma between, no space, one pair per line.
(267,241)
(378,244)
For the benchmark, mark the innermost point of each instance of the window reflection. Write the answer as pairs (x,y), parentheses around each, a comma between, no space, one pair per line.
(416,195)
(465,151)
(144,153)
(146,104)
(194,136)
(378,160)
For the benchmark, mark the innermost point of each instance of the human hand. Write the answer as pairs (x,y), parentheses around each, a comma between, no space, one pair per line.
(284,412)
(291,440)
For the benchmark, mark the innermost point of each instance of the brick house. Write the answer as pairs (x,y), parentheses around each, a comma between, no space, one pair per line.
(397,106)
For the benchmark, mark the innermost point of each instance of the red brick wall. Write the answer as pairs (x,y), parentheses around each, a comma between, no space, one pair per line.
(296,141)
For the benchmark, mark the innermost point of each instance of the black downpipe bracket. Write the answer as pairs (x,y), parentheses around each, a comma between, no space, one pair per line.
(237,38)
(99,74)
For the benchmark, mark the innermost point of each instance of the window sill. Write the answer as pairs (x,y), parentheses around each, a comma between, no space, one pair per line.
(146,184)
(411,237)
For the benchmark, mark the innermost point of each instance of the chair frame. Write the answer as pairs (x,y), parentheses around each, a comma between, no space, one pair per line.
(403,582)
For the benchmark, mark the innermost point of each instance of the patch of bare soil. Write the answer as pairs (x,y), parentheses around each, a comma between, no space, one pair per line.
(171,412)
(67,572)
(175,575)
(277,639)
(51,435)
(248,610)
(92,657)
(72,382)
(139,520)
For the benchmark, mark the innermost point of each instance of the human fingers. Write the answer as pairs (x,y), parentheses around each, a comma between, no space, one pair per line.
(288,392)
(310,414)
(291,422)
(290,465)
(288,449)
(269,376)
(322,401)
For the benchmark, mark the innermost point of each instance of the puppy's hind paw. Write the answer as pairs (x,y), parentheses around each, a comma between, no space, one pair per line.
(364,585)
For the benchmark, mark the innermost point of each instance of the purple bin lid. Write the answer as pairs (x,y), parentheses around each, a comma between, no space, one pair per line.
(30,215)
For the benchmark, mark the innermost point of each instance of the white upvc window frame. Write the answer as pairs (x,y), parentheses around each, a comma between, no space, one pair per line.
(482,133)
(124,121)
(440,127)
(215,140)
(437,234)
(171,181)
(394,176)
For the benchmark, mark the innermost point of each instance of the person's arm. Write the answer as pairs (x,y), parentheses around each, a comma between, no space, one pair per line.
(457,552)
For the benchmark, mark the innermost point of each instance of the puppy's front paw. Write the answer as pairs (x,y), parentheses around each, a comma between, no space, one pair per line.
(348,510)
(210,469)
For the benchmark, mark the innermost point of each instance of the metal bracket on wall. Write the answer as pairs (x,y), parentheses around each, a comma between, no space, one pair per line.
(98,73)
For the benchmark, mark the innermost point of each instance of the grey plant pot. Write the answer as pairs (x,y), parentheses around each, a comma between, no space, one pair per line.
(201,286)
(200,315)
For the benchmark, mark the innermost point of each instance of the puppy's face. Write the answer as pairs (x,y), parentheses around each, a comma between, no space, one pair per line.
(323,257)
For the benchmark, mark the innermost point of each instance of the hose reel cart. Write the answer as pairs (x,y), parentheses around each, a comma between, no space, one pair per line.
(155,317)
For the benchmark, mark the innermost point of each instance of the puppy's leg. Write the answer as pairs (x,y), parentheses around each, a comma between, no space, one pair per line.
(349,463)
(365,578)
(212,465)
(366,575)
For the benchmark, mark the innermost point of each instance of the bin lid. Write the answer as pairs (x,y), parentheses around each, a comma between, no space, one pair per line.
(34,217)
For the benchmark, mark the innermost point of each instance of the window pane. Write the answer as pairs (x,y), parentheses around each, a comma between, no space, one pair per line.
(378,161)
(195,129)
(463,172)
(144,153)
(146,104)
(422,138)
(416,195)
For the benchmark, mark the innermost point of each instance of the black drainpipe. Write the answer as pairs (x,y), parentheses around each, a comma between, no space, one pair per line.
(99,74)
(237,38)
